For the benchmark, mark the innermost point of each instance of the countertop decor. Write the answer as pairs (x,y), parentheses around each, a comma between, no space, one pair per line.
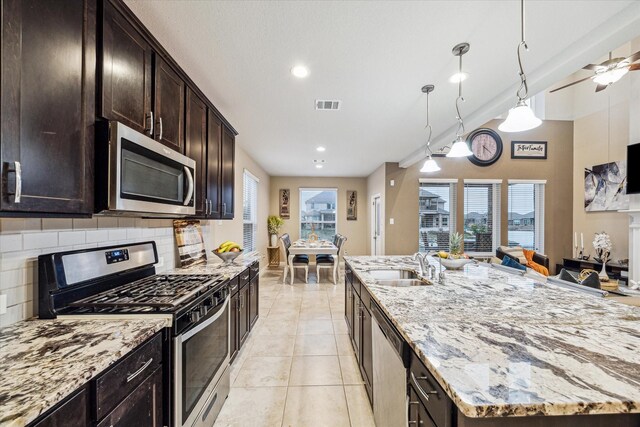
(504,345)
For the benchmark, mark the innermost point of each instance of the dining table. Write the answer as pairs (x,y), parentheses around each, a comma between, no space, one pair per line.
(309,247)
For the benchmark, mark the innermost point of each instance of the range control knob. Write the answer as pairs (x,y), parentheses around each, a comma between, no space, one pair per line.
(203,310)
(194,316)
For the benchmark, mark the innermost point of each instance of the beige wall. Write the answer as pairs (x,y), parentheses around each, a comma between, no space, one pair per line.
(599,138)
(375,185)
(356,231)
(216,232)
(402,198)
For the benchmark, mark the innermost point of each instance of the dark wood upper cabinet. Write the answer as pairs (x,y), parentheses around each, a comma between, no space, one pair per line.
(48,106)
(196,147)
(168,106)
(125,73)
(228,173)
(214,147)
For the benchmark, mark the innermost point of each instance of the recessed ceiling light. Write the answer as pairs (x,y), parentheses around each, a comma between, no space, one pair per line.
(300,71)
(318,166)
(320,148)
(458,77)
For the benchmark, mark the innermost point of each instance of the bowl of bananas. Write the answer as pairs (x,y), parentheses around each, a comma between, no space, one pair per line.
(228,251)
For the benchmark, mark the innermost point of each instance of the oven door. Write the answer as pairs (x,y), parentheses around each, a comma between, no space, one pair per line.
(146,176)
(201,357)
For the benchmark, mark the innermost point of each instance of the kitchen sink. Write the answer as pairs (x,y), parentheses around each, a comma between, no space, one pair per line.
(402,283)
(389,274)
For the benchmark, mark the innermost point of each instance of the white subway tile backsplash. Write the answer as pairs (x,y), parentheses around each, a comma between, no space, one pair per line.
(117,234)
(39,240)
(10,242)
(23,240)
(71,238)
(97,236)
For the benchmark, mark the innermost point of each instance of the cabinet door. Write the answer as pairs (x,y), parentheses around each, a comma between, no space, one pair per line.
(228,173)
(418,415)
(214,151)
(348,307)
(126,73)
(141,408)
(357,325)
(243,321)
(47,106)
(196,147)
(233,331)
(254,307)
(168,106)
(366,361)
(72,413)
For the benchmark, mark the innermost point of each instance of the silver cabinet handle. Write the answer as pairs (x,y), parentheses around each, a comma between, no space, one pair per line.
(18,193)
(190,189)
(160,126)
(139,371)
(206,206)
(224,209)
(150,128)
(425,394)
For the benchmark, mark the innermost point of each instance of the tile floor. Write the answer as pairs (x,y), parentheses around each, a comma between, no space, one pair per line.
(297,367)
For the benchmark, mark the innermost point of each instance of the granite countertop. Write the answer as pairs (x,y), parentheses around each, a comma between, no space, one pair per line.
(504,345)
(44,361)
(213,266)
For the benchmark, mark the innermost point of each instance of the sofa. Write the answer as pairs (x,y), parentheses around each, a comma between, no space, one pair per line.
(537,258)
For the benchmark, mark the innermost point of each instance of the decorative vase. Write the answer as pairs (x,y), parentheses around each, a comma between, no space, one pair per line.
(603,276)
(274,240)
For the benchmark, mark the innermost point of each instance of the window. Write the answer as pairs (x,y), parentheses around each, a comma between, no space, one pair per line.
(318,212)
(481,215)
(249,211)
(437,212)
(526,214)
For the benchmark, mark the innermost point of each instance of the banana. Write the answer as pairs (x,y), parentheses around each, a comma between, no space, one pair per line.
(227,246)
(232,246)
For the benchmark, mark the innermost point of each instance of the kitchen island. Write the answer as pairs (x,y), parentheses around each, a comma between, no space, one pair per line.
(502,345)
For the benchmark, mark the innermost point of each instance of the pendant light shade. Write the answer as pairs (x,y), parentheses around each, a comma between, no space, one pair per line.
(521,117)
(459,149)
(430,166)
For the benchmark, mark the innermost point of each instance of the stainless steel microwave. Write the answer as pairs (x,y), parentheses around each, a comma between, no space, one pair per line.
(137,175)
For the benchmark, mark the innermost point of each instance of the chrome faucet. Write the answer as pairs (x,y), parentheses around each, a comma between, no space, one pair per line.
(423,262)
(427,269)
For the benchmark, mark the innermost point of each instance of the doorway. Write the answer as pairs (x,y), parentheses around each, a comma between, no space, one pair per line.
(376,226)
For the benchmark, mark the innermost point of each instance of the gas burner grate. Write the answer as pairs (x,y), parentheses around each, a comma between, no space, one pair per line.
(155,292)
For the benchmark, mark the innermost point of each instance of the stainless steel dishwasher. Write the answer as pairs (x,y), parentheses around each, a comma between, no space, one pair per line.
(389,372)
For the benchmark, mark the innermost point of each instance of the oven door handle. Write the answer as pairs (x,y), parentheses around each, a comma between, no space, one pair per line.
(190,189)
(206,323)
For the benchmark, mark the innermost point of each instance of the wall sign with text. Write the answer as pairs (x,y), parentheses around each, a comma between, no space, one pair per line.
(528,149)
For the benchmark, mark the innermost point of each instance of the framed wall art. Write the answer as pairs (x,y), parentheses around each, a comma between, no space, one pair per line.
(285,200)
(529,150)
(352,205)
(605,187)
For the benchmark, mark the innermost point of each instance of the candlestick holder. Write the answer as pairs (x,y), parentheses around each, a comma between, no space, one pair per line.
(576,255)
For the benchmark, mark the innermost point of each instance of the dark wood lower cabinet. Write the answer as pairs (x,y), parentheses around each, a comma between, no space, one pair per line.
(366,352)
(71,413)
(418,415)
(141,408)
(234,342)
(253,301)
(243,315)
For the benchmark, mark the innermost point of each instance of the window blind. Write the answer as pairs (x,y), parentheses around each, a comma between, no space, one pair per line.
(526,215)
(249,211)
(481,217)
(437,214)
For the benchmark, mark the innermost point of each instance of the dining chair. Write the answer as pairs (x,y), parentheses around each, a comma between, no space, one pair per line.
(298,261)
(331,261)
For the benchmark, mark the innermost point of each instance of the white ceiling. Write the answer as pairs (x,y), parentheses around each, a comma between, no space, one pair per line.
(375,57)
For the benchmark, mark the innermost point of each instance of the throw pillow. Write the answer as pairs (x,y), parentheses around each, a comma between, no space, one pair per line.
(528,254)
(567,277)
(508,262)
(516,252)
(592,281)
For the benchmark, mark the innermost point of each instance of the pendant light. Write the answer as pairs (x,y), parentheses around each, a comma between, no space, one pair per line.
(521,117)
(459,147)
(430,165)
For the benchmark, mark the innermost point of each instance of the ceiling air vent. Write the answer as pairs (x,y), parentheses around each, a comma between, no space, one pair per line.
(322,104)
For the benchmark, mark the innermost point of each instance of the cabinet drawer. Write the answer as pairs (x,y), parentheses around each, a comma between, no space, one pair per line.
(254,269)
(234,285)
(126,375)
(72,413)
(429,392)
(244,277)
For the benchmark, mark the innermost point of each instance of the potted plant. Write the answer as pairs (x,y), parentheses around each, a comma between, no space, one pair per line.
(274,224)
(602,244)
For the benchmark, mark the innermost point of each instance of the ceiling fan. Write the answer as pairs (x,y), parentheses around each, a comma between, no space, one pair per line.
(609,72)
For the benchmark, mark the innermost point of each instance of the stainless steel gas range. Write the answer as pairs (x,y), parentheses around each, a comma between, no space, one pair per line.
(121,281)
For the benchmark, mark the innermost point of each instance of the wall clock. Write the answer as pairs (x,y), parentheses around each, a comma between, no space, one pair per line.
(486,146)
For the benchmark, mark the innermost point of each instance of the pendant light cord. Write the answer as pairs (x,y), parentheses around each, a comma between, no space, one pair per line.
(524,88)
(428,127)
(460,130)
